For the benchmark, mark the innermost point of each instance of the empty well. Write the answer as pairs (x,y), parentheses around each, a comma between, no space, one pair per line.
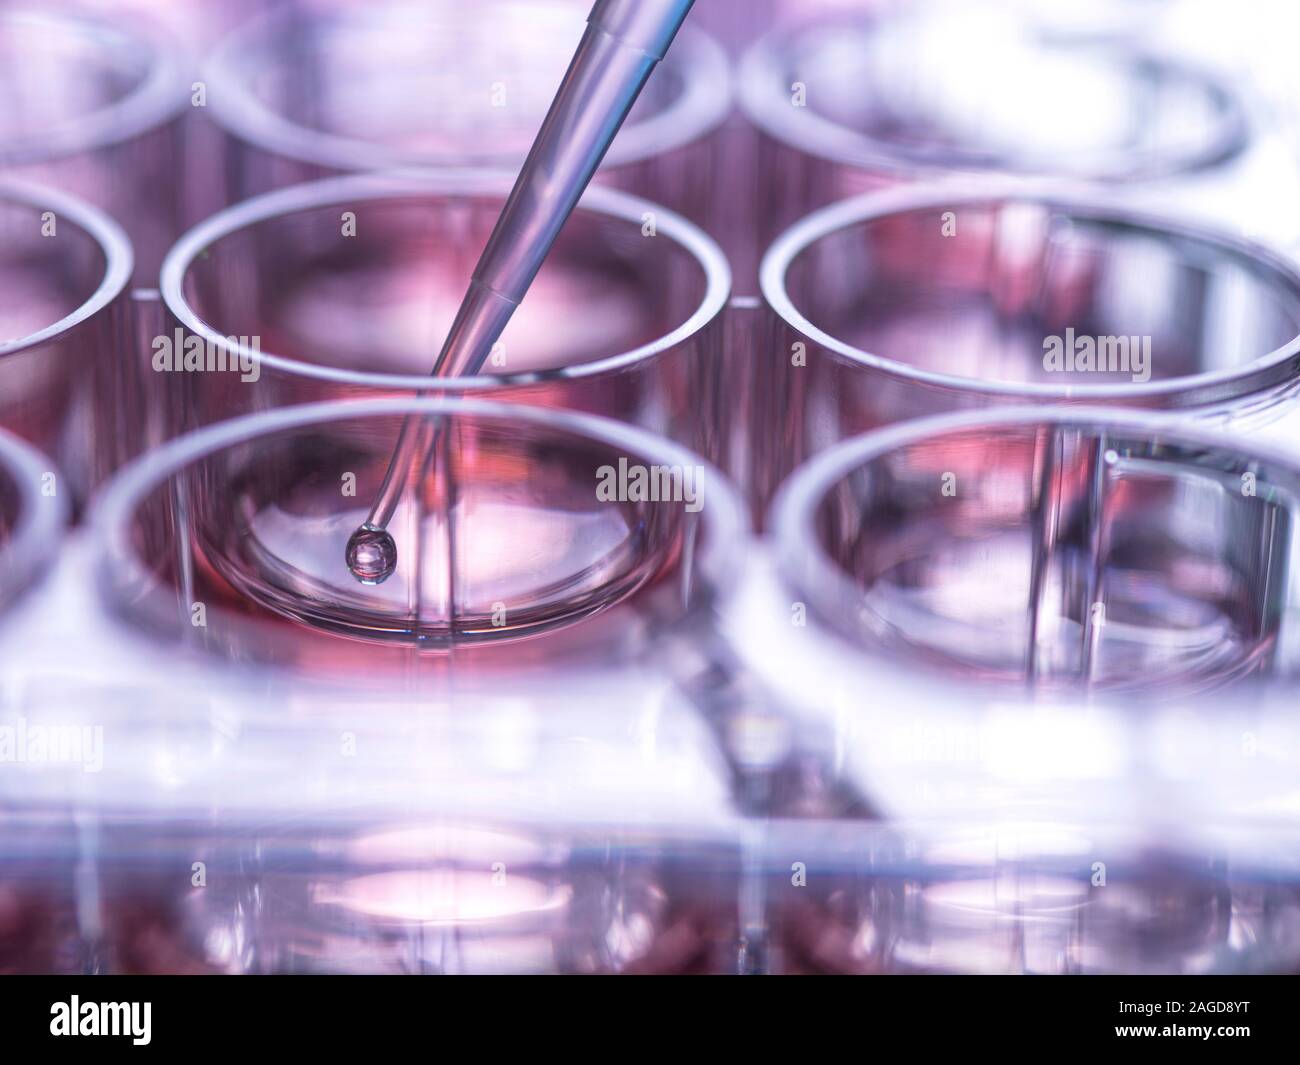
(1051,549)
(347,287)
(93,106)
(974,289)
(343,87)
(64,385)
(365,275)
(916,87)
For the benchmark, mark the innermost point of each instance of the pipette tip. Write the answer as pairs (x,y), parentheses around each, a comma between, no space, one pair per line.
(371,554)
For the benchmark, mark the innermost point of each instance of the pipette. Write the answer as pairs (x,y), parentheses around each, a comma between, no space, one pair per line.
(623,42)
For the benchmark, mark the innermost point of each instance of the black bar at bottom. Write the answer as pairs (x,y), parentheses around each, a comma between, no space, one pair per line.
(41,1014)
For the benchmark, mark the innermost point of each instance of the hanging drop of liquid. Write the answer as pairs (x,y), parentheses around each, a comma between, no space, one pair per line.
(371,554)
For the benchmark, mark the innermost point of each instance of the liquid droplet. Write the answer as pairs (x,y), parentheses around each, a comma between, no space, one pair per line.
(371,554)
